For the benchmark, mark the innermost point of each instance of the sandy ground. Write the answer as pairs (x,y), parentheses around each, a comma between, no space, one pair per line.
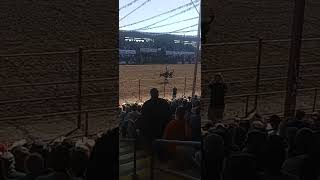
(149,76)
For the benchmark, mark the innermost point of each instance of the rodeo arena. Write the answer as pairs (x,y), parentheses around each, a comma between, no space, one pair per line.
(256,121)
(160,121)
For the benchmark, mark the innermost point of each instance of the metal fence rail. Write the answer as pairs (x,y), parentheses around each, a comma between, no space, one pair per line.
(164,87)
(259,44)
(247,96)
(79,82)
(134,142)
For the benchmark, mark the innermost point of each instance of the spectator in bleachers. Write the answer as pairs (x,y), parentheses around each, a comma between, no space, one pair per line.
(268,156)
(131,119)
(62,159)
(315,117)
(214,154)
(155,115)
(9,170)
(79,160)
(35,167)
(310,168)
(275,155)
(240,166)
(174,93)
(195,121)
(104,159)
(255,145)
(298,121)
(274,122)
(178,129)
(58,161)
(216,107)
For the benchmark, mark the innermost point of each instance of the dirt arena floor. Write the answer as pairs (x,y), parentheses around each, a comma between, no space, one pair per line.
(149,76)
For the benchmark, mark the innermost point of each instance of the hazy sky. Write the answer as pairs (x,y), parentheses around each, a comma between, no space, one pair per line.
(155,7)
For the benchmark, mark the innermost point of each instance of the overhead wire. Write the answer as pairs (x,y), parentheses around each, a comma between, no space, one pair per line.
(162,20)
(141,5)
(178,30)
(195,7)
(168,24)
(128,5)
(158,15)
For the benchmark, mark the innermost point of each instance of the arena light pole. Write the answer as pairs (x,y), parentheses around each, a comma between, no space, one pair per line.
(294,61)
(197,52)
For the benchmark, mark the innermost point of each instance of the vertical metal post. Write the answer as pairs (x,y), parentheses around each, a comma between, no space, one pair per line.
(247,105)
(152,163)
(87,125)
(80,87)
(294,61)
(135,159)
(164,89)
(197,56)
(139,90)
(315,100)
(185,86)
(258,73)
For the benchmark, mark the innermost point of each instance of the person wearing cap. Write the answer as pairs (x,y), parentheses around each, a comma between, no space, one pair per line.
(218,90)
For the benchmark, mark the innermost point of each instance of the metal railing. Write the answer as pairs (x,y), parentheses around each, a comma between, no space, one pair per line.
(134,142)
(247,96)
(78,82)
(172,172)
(259,44)
(163,88)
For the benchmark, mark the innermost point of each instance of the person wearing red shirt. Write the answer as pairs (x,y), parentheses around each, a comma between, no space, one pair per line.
(178,129)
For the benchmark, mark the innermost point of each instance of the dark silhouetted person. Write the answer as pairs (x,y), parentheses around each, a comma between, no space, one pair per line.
(302,145)
(315,117)
(195,123)
(311,164)
(9,166)
(174,92)
(58,161)
(104,159)
(20,153)
(274,122)
(299,121)
(275,155)
(35,167)
(79,162)
(240,166)
(155,115)
(218,90)
(214,153)
(255,145)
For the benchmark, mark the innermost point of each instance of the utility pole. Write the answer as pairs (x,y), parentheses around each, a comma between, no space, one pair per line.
(294,61)
(197,53)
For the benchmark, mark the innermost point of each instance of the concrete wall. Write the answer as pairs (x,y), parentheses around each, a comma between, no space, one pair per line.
(237,20)
(33,26)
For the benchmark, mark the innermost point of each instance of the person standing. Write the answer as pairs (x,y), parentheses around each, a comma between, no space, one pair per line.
(155,115)
(174,92)
(218,90)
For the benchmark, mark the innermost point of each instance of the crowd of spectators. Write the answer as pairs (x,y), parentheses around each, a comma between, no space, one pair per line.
(63,159)
(263,148)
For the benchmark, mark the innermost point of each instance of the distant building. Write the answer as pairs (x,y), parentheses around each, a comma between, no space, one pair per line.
(156,48)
